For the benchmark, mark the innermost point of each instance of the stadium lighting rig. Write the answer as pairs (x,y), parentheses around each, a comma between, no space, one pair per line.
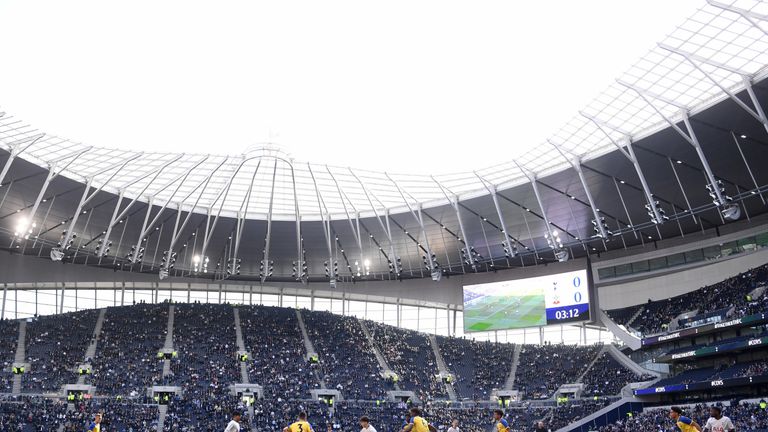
(24,229)
(101,248)
(556,244)
(233,266)
(730,210)
(395,269)
(596,227)
(472,258)
(167,263)
(509,250)
(200,263)
(58,252)
(659,216)
(301,274)
(332,273)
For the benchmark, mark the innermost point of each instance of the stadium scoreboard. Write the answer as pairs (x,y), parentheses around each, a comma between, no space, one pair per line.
(531,302)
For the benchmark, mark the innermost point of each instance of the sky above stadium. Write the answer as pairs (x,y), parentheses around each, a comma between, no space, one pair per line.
(402,86)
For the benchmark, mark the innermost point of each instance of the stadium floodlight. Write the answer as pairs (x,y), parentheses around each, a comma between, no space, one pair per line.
(437,275)
(596,228)
(24,229)
(731,212)
(661,212)
(57,254)
(562,255)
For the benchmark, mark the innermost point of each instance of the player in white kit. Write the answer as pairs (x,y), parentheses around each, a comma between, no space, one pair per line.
(365,425)
(234,424)
(717,422)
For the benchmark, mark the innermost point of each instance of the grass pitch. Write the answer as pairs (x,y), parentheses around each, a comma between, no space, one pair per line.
(504,312)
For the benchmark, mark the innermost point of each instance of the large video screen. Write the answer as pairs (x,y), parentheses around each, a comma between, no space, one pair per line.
(531,302)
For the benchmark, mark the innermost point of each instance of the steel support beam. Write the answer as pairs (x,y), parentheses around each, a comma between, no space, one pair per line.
(267,273)
(453,200)
(694,141)
(204,183)
(433,266)
(121,193)
(551,238)
(758,108)
(53,171)
(325,219)
(748,15)
(576,165)
(494,197)
(240,223)
(17,148)
(223,193)
(746,164)
(656,96)
(757,113)
(87,197)
(147,226)
(299,237)
(384,224)
(629,153)
(355,227)
(690,137)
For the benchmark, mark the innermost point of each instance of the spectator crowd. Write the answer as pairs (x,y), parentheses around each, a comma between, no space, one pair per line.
(56,346)
(410,356)
(607,377)
(130,337)
(347,361)
(730,295)
(479,367)
(544,368)
(745,417)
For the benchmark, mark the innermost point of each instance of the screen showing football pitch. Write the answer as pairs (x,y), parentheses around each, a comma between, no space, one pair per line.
(538,301)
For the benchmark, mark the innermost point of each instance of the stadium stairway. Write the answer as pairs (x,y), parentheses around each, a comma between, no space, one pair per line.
(21,354)
(442,369)
(91,351)
(673,325)
(616,411)
(240,346)
(509,385)
(168,341)
(308,346)
(628,338)
(635,316)
(243,368)
(627,362)
(386,370)
(580,379)
(162,413)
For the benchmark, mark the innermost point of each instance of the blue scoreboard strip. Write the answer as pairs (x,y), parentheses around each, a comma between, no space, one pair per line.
(565,314)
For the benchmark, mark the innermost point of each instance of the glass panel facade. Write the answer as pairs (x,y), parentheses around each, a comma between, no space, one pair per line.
(436,320)
(746,244)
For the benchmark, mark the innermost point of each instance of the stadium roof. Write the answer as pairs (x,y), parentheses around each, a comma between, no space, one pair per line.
(701,83)
(710,54)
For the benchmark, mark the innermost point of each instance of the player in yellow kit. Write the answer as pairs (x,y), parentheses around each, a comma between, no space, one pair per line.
(418,423)
(685,424)
(300,425)
(501,423)
(95,426)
